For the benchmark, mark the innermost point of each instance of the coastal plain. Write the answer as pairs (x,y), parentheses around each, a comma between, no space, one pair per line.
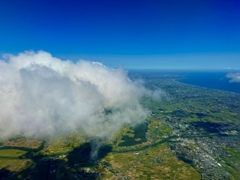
(191,133)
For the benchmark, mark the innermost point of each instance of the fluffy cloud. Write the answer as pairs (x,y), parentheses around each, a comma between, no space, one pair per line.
(234,77)
(41,95)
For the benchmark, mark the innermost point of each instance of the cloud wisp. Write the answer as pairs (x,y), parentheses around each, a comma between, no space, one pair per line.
(43,96)
(234,77)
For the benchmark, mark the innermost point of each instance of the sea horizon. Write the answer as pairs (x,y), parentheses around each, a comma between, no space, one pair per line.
(212,79)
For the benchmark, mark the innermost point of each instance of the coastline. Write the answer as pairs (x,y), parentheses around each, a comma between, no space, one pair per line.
(206,87)
(211,77)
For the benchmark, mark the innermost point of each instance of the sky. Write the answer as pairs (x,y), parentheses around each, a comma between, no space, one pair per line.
(143,34)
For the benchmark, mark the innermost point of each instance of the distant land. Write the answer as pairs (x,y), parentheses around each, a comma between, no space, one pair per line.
(191,133)
(211,79)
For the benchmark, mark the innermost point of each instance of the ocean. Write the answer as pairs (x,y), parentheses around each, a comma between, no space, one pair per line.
(207,79)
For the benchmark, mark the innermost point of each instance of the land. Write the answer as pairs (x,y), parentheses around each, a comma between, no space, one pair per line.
(191,133)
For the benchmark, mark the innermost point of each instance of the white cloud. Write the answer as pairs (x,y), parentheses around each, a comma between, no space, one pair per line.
(41,95)
(234,77)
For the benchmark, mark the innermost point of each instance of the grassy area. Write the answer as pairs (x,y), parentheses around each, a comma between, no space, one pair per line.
(155,163)
(11,153)
(138,137)
(23,142)
(10,160)
(232,164)
(56,149)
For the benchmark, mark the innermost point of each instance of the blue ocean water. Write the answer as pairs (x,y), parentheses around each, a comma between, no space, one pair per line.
(207,79)
(212,80)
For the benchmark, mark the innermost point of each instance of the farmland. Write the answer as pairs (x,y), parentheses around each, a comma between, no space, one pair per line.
(191,133)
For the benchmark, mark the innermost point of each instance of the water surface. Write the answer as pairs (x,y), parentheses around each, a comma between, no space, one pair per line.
(207,79)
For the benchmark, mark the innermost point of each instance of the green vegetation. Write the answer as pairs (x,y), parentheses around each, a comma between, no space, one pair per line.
(192,133)
(138,137)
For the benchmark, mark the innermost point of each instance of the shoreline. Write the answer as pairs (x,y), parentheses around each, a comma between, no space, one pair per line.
(206,87)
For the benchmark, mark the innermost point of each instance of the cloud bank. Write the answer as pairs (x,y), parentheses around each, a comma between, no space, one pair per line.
(43,96)
(234,77)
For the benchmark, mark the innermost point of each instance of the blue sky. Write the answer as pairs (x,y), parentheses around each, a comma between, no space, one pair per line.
(155,34)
